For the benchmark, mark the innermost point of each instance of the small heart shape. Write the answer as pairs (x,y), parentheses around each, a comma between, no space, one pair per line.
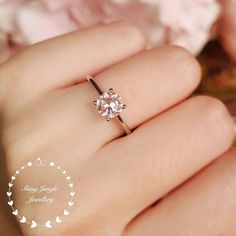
(17,172)
(9,194)
(33,224)
(68,177)
(66,213)
(15,212)
(58,219)
(23,220)
(70,203)
(48,224)
(13,177)
(10,203)
(71,185)
(64,172)
(10,185)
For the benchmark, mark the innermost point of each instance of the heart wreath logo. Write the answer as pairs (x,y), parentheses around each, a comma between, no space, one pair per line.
(23,219)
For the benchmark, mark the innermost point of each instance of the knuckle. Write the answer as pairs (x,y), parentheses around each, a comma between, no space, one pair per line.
(188,60)
(185,65)
(212,105)
(128,30)
(181,52)
(216,112)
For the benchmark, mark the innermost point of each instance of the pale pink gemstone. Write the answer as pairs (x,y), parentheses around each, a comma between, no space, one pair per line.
(109,104)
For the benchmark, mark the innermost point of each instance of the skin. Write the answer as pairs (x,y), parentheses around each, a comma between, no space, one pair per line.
(227,27)
(173,175)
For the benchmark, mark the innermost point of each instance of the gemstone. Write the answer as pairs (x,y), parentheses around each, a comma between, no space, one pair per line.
(109,104)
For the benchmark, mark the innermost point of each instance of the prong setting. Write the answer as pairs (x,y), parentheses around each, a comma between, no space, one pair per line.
(109,104)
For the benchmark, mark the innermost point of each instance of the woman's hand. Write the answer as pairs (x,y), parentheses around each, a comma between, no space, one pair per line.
(47,111)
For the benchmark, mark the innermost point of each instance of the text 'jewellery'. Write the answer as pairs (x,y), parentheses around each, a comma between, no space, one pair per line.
(109,104)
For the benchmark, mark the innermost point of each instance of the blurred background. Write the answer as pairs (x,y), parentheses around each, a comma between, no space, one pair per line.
(207,28)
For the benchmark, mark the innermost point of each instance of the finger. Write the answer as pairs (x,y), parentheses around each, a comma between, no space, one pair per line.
(227,27)
(139,169)
(203,206)
(66,60)
(150,83)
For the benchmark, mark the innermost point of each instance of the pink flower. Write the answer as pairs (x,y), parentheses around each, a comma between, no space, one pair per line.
(189,25)
(189,21)
(182,22)
(35,24)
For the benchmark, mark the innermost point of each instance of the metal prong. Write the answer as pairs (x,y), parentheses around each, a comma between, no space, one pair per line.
(117,99)
(89,77)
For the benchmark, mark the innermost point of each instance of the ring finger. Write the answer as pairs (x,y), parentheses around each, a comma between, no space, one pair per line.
(149,82)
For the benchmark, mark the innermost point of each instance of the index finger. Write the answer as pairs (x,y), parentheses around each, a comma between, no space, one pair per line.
(66,60)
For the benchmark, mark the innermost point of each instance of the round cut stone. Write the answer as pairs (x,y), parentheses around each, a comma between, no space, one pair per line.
(109,104)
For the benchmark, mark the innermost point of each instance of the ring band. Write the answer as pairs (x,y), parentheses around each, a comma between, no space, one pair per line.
(109,104)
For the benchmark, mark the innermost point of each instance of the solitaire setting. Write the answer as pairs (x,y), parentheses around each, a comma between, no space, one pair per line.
(109,104)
